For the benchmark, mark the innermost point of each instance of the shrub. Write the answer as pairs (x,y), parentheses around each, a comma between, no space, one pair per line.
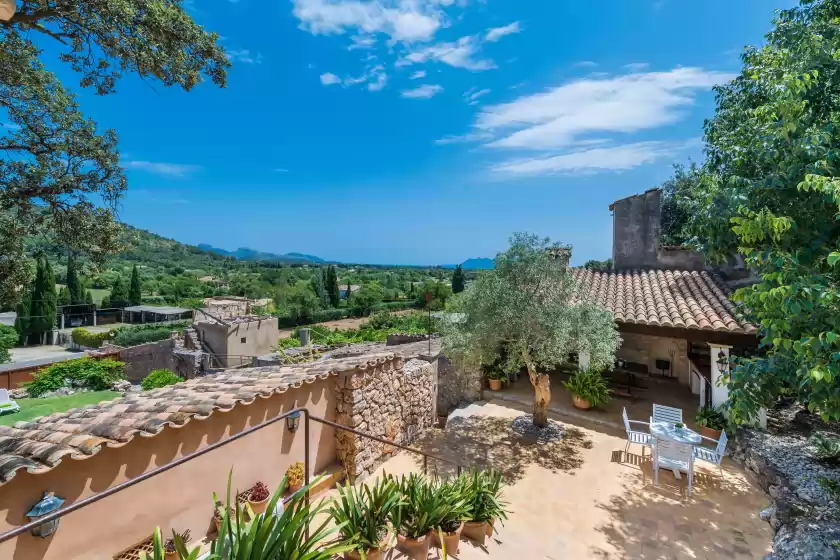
(710,417)
(590,386)
(8,339)
(828,449)
(159,378)
(88,373)
(84,337)
(134,336)
(394,305)
(295,473)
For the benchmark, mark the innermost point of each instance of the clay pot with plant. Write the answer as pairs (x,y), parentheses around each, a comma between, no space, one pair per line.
(495,376)
(294,474)
(170,551)
(457,511)
(258,498)
(421,509)
(363,512)
(219,512)
(483,490)
(710,421)
(588,388)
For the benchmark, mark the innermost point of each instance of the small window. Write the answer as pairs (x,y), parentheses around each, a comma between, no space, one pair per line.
(242,340)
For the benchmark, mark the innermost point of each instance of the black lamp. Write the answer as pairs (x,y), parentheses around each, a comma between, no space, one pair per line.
(723,362)
(293,421)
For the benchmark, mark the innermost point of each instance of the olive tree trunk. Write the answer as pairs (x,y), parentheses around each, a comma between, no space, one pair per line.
(542,392)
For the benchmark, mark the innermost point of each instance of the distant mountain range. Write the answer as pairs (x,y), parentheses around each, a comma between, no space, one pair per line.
(247,254)
(474,264)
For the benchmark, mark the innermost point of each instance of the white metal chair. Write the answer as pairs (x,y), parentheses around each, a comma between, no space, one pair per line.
(673,456)
(714,456)
(7,404)
(666,414)
(635,436)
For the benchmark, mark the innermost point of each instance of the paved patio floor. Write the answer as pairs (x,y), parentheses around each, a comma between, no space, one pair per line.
(584,497)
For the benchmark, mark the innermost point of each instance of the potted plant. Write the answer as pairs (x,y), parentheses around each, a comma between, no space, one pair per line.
(417,516)
(588,388)
(169,548)
(294,474)
(483,492)
(363,513)
(219,514)
(258,498)
(711,422)
(495,376)
(451,524)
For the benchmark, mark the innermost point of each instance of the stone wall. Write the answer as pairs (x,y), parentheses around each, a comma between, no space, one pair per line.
(636,230)
(141,360)
(457,385)
(394,401)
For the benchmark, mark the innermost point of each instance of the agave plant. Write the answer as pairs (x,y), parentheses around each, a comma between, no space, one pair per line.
(423,508)
(483,490)
(159,550)
(363,512)
(458,505)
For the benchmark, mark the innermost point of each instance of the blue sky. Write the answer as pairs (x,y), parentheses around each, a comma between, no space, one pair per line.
(424,131)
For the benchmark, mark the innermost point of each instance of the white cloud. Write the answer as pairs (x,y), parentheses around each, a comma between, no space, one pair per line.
(562,115)
(160,168)
(244,55)
(401,20)
(329,79)
(418,75)
(475,136)
(637,66)
(497,33)
(423,92)
(280,170)
(362,42)
(472,95)
(460,54)
(585,64)
(381,79)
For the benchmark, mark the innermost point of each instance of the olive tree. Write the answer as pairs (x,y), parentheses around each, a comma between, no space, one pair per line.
(527,311)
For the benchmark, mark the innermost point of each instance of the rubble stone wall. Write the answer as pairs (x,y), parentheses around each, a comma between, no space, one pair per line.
(393,401)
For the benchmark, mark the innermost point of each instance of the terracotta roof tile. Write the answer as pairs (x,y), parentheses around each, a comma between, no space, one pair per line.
(40,444)
(669,298)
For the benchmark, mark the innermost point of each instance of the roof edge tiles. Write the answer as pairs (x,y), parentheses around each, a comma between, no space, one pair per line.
(39,445)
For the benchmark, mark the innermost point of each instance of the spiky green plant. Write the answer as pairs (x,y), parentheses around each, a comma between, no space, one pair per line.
(363,512)
(159,552)
(423,507)
(458,505)
(483,490)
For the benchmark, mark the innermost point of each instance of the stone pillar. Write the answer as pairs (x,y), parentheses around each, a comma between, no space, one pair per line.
(94,317)
(720,392)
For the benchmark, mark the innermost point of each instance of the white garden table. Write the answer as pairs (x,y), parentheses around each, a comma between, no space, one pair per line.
(668,430)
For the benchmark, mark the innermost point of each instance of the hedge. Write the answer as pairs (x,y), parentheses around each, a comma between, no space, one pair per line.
(394,305)
(84,337)
(133,337)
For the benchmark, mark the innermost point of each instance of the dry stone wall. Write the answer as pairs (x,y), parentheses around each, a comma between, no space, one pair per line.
(394,401)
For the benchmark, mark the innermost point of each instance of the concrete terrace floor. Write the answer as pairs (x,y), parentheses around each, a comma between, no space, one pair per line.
(583,497)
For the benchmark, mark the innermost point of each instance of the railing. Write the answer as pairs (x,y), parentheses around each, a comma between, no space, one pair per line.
(186,458)
(705,385)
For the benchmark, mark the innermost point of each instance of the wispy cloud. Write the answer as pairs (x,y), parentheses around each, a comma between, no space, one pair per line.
(361,42)
(423,92)
(637,66)
(468,138)
(328,79)
(463,53)
(174,170)
(417,75)
(472,95)
(585,64)
(244,56)
(497,33)
(280,170)
(380,80)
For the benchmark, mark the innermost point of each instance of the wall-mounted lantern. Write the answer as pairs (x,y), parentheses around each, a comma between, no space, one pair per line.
(48,504)
(723,362)
(293,421)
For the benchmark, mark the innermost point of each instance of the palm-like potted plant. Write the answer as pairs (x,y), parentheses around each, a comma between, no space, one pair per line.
(483,490)
(457,511)
(258,498)
(294,474)
(711,422)
(588,388)
(363,513)
(418,515)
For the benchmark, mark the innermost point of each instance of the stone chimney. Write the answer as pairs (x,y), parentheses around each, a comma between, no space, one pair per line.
(562,253)
(636,230)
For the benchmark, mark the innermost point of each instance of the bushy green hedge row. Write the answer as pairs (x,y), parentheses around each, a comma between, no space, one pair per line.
(159,378)
(345,313)
(133,337)
(87,373)
(84,337)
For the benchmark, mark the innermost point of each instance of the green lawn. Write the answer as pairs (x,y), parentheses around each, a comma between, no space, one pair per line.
(33,408)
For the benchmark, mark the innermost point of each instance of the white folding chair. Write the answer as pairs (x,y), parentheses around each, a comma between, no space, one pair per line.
(635,436)
(674,456)
(7,404)
(666,414)
(714,456)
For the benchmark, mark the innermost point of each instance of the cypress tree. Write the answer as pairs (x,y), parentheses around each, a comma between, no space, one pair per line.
(44,298)
(63,296)
(119,295)
(332,286)
(458,280)
(135,296)
(348,291)
(23,311)
(88,298)
(74,285)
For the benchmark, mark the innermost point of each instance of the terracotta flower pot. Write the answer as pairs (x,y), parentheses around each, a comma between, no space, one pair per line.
(416,549)
(441,420)
(452,540)
(475,531)
(370,554)
(170,555)
(580,403)
(709,432)
(495,384)
(295,486)
(259,507)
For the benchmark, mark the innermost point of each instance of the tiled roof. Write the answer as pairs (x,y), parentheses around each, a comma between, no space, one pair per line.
(668,298)
(39,445)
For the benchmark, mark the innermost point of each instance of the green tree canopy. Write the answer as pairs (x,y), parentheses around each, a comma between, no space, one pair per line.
(333,291)
(135,294)
(366,297)
(43,307)
(59,174)
(119,294)
(524,313)
(74,284)
(458,280)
